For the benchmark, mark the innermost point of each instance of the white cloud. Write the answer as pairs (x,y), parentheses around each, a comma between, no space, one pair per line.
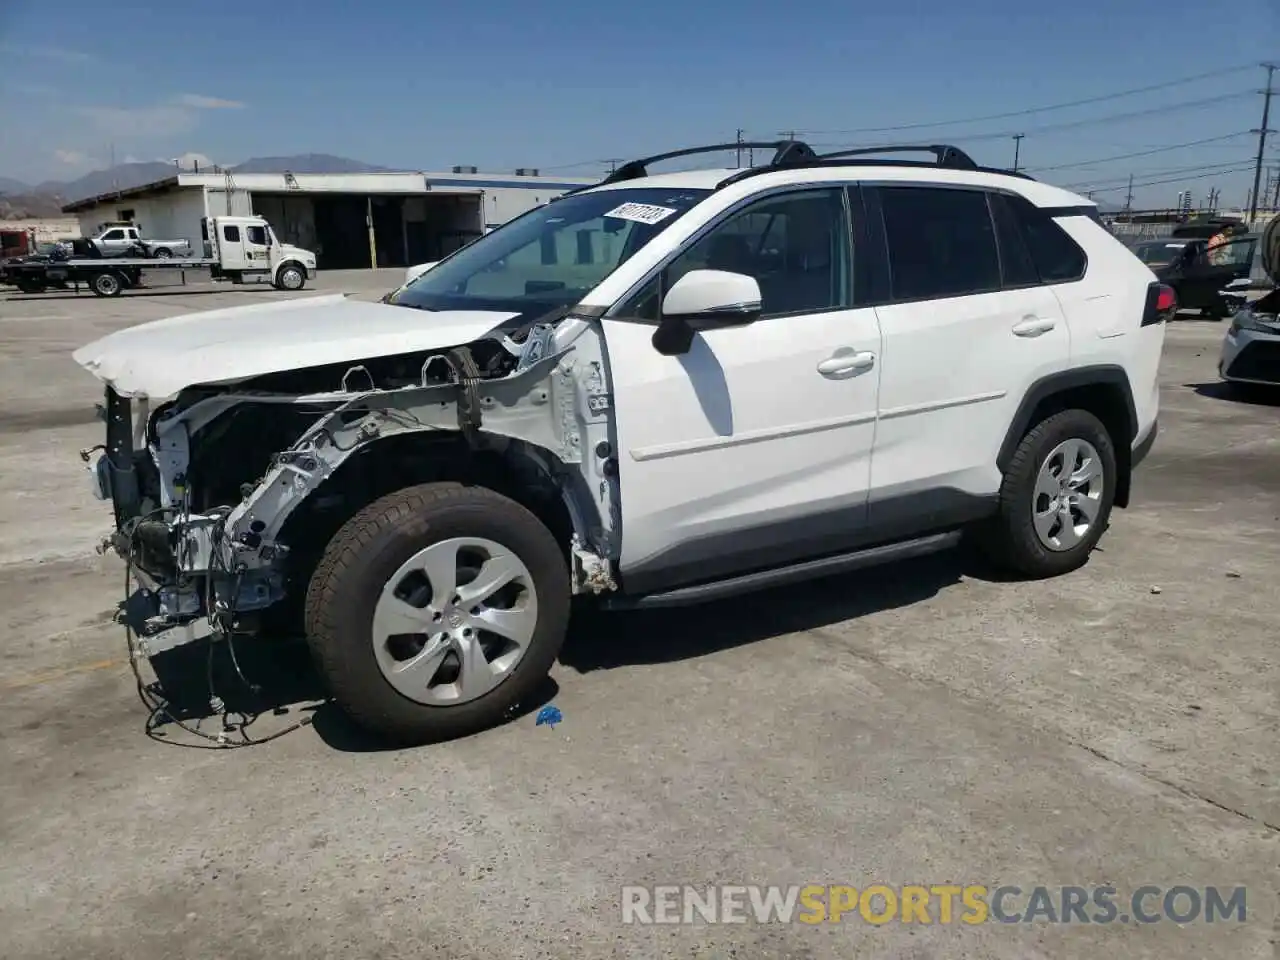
(139,122)
(177,115)
(60,54)
(189,161)
(198,102)
(73,158)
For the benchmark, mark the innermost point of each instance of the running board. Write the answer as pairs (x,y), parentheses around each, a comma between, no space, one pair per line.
(794,573)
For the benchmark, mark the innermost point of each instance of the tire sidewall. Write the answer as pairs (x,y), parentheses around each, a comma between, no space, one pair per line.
(346,626)
(285,271)
(1072,424)
(111,287)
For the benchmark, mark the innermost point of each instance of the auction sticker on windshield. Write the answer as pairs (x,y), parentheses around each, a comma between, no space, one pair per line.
(641,212)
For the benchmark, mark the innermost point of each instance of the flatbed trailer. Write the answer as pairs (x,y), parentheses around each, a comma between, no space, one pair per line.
(245,249)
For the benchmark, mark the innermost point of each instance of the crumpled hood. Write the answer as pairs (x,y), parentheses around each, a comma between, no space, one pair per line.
(161,358)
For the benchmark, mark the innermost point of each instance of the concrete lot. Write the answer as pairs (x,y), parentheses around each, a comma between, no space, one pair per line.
(921,724)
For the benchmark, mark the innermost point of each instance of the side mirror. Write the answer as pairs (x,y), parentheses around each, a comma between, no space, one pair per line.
(705,300)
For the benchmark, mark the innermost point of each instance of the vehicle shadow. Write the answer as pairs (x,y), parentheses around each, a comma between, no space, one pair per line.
(1198,316)
(175,291)
(1250,394)
(276,685)
(269,688)
(600,640)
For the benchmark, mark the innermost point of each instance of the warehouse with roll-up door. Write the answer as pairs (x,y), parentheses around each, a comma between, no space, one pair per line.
(350,220)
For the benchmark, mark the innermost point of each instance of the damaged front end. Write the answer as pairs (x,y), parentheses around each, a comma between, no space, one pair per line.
(226,496)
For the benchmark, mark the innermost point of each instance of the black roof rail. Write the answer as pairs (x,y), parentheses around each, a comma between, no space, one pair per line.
(784,152)
(946,154)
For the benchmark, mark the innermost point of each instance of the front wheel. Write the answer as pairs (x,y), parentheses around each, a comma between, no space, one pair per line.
(291,277)
(1056,497)
(437,610)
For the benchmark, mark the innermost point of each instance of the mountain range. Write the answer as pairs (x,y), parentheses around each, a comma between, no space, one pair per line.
(19,200)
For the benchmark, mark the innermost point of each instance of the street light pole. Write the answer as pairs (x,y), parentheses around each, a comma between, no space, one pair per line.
(1017,149)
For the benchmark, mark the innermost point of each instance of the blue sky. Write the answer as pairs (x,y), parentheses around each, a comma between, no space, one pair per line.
(565,84)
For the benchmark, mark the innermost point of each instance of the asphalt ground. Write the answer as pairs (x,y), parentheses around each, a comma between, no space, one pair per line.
(919,724)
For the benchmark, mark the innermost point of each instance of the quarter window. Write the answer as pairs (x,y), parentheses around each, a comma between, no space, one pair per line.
(1057,257)
(796,246)
(231,234)
(941,242)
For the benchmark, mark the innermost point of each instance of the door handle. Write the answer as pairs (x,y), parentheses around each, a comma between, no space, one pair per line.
(844,362)
(1033,326)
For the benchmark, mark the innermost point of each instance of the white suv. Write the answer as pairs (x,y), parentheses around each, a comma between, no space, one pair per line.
(658,390)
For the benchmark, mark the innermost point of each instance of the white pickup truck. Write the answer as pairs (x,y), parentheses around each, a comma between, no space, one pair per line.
(118,240)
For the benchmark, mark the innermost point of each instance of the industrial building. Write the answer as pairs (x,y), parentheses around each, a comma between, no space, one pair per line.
(350,220)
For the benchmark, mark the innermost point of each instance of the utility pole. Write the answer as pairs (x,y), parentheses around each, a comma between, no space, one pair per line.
(738,162)
(789,134)
(1017,149)
(1275,197)
(1262,142)
(1128,200)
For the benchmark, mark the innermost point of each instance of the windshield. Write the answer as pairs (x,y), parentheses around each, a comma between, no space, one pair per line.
(552,256)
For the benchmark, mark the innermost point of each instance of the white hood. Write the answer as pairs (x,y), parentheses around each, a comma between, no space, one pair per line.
(161,358)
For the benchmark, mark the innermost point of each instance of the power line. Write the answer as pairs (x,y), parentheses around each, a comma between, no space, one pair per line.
(1139,153)
(1180,179)
(1034,110)
(1095,121)
(1158,173)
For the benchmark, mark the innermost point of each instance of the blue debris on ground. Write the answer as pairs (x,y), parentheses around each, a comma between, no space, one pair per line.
(550,716)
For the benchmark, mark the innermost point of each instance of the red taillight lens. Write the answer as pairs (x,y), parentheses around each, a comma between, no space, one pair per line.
(1161,305)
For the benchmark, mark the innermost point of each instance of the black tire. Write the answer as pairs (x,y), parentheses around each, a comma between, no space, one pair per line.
(163,253)
(291,276)
(106,284)
(367,551)
(1010,537)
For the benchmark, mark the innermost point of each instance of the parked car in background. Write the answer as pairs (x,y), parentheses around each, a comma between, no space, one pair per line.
(1251,348)
(127,241)
(1198,272)
(1159,252)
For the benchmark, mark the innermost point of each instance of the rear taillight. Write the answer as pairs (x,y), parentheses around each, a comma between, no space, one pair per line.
(1161,305)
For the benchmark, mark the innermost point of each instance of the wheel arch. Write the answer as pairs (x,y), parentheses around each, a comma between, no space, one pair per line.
(1103,390)
(524,472)
(285,264)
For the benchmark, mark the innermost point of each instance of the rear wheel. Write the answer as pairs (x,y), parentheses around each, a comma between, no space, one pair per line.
(1056,498)
(106,284)
(436,610)
(163,253)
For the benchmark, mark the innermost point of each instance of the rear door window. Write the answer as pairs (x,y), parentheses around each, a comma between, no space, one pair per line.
(941,242)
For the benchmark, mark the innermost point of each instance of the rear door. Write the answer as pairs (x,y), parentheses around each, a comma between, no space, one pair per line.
(231,247)
(968,327)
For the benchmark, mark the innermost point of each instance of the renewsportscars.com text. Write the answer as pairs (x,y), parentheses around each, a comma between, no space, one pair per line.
(969,904)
